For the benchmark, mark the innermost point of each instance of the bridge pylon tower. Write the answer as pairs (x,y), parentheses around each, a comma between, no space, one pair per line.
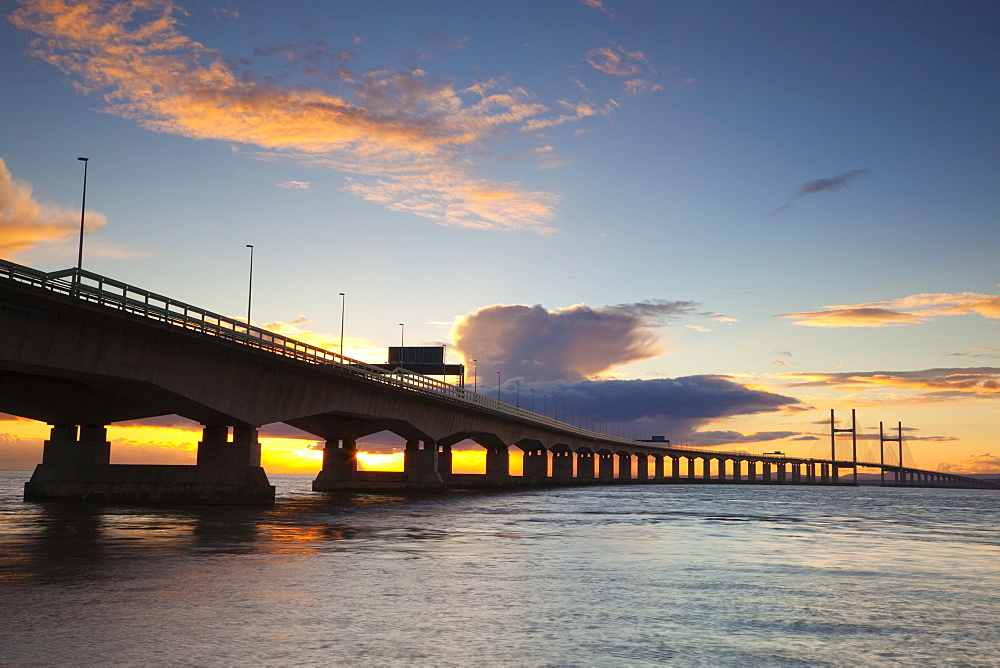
(883,439)
(853,431)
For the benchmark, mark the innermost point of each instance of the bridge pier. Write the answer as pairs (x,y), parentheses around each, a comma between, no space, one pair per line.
(605,465)
(76,467)
(624,466)
(585,466)
(562,465)
(444,461)
(642,470)
(420,464)
(657,467)
(497,464)
(536,465)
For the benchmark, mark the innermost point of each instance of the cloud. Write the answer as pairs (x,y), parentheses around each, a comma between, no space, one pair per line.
(409,142)
(631,65)
(910,310)
(25,222)
(599,5)
(570,344)
(830,184)
(980,351)
(984,463)
(293,185)
(937,384)
(18,453)
(675,407)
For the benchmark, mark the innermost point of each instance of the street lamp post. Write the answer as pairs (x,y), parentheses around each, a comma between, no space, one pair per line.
(83,208)
(498,386)
(343,303)
(532,400)
(475,375)
(517,393)
(444,362)
(250,287)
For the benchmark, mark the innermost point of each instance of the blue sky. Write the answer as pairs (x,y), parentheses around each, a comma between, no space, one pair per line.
(729,163)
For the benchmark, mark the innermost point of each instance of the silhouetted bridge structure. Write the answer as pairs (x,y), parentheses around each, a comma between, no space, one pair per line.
(81,351)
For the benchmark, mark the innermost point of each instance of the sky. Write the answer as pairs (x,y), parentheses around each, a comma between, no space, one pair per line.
(713,221)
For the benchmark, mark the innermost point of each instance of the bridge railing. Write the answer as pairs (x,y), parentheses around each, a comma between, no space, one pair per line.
(108,292)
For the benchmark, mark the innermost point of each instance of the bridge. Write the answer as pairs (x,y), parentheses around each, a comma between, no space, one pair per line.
(80,351)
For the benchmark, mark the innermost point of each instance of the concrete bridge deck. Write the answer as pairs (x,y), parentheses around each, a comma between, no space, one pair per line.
(80,351)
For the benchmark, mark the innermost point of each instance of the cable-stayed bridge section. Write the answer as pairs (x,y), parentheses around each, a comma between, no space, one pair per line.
(81,351)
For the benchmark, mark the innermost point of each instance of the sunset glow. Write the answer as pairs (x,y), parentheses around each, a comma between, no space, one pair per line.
(642,218)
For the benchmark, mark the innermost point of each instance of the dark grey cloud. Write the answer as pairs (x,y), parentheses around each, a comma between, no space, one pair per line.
(571,344)
(830,184)
(674,407)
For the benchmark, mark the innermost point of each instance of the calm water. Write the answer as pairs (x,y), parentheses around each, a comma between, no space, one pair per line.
(677,575)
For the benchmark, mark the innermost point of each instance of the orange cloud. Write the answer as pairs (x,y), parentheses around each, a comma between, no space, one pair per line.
(408,141)
(939,384)
(905,311)
(985,463)
(25,222)
(633,65)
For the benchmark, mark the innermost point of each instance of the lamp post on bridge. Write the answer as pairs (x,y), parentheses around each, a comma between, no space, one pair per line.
(517,393)
(475,375)
(498,386)
(532,400)
(250,287)
(83,209)
(343,303)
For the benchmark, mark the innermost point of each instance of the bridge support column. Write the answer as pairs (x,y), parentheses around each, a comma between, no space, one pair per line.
(562,465)
(691,468)
(585,466)
(76,467)
(657,467)
(606,466)
(536,464)
(624,466)
(675,468)
(421,465)
(751,471)
(444,461)
(642,467)
(70,444)
(706,469)
(782,471)
(737,470)
(497,463)
(340,463)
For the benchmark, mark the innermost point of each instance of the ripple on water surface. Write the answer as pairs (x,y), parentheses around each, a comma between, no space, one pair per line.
(635,575)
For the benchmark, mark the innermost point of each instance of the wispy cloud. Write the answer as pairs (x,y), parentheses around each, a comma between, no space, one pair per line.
(26,222)
(409,141)
(599,5)
(630,65)
(978,351)
(830,184)
(570,344)
(904,311)
(293,185)
(935,385)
